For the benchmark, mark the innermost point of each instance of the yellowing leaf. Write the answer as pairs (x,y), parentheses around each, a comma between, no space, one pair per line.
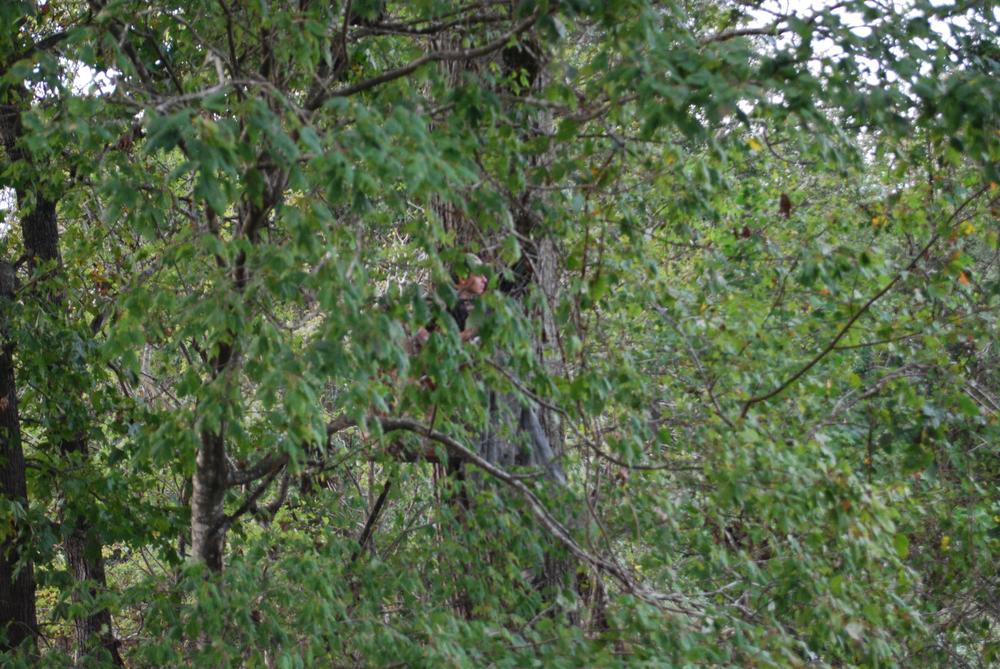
(945,542)
(754,144)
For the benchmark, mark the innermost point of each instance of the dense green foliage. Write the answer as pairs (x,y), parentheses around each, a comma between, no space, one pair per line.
(729,398)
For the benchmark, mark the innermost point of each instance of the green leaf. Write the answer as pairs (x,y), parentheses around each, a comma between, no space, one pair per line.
(902,545)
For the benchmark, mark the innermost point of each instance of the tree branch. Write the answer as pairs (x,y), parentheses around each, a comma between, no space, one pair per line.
(432,57)
(860,312)
(264,466)
(366,533)
(537,509)
(249,502)
(725,36)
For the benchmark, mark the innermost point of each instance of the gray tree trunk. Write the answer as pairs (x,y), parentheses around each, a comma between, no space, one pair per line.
(208,536)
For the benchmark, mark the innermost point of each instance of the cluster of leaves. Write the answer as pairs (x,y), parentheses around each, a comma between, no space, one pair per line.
(765,275)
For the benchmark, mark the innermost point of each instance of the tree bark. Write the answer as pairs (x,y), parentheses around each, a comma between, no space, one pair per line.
(17,580)
(93,633)
(208,537)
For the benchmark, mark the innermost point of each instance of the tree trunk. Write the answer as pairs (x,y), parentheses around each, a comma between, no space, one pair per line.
(93,632)
(537,433)
(40,231)
(17,580)
(540,425)
(208,537)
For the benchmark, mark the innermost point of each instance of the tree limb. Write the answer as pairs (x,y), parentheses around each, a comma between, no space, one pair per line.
(366,533)
(432,57)
(756,399)
(677,602)
(264,466)
(249,502)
